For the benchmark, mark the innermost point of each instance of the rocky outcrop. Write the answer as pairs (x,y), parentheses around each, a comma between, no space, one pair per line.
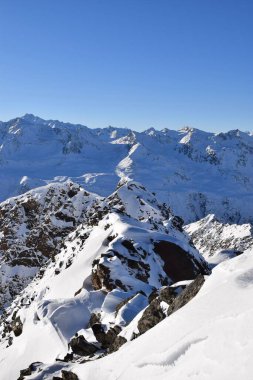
(29,370)
(212,237)
(156,312)
(17,326)
(66,375)
(81,347)
(32,230)
(187,294)
(179,264)
(172,298)
(118,342)
(106,338)
(152,315)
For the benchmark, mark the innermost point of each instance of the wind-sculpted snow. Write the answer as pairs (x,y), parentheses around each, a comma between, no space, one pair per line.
(209,338)
(101,279)
(195,172)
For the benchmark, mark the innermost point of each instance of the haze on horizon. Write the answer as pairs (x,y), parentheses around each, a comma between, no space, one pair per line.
(161,64)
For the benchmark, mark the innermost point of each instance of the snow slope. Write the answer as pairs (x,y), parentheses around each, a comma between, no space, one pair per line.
(195,172)
(209,338)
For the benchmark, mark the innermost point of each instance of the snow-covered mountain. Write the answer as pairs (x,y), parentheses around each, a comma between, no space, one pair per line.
(195,172)
(127,253)
(217,241)
(97,260)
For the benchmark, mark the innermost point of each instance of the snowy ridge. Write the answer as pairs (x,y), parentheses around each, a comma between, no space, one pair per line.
(107,271)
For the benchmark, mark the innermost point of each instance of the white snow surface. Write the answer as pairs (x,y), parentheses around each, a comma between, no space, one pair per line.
(211,338)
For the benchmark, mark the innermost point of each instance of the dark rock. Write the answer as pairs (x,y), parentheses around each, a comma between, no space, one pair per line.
(187,294)
(24,372)
(68,375)
(100,277)
(118,342)
(29,370)
(154,294)
(128,244)
(68,357)
(120,285)
(17,326)
(105,338)
(178,264)
(81,347)
(94,318)
(152,315)
(177,222)
(167,294)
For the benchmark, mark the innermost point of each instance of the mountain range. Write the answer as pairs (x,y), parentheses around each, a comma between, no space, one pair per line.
(197,173)
(124,254)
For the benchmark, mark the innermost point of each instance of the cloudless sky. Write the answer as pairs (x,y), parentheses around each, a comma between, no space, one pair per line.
(129,63)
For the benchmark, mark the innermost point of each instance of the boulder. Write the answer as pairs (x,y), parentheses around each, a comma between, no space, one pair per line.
(81,347)
(68,375)
(187,294)
(179,264)
(105,338)
(152,315)
(17,326)
(118,342)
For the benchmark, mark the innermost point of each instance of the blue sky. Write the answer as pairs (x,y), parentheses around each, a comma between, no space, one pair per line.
(129,63)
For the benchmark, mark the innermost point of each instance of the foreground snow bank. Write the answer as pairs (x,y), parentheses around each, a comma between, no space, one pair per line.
(209,338)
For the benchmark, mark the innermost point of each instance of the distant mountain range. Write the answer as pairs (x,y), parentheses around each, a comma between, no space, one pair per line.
(195,172)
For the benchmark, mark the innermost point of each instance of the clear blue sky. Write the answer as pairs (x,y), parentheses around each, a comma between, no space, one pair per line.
(133,63)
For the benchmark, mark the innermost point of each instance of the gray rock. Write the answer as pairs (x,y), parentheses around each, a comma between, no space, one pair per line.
(81,347)
(105,338)
(152,315)
(118,342)
(68,375)
(187,294)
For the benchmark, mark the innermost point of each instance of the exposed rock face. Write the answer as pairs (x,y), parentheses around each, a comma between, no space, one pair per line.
(17,326)
(118,342)
(80,346)
(68,375)
(187,294)
(105,338)
(168,294)
(173,297)
(152,315)
(178,264)
(33,227)
(29,370)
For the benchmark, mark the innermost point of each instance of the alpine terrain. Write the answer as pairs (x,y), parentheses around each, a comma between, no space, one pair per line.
(125,254)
